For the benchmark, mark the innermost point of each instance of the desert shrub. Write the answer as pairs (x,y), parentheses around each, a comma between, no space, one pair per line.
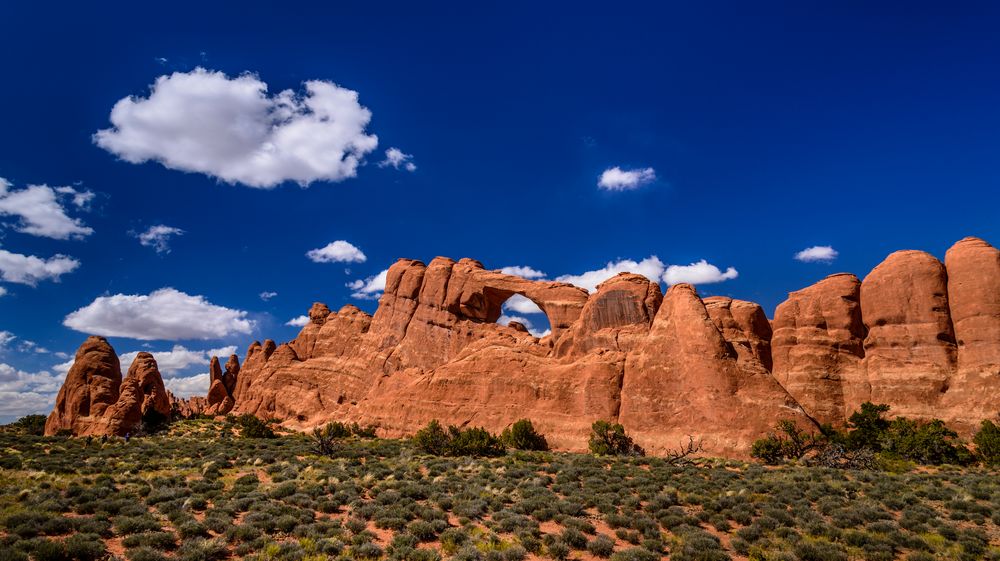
(33,425)
(987,441)
(868,426)
(200,549)
(610,439)
(819,551)
(557,550)
(145,554)
(432,439)
(10,554)
(929,443)
(156,540)
(49,550)
(85,547)
(474,442)
(252,427)
(635,554)
(789,442)
(523,436)
(601,546)
(125,525)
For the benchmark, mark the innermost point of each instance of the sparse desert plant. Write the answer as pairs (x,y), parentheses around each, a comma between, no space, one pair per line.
(987,441)
(522,436)
(610,439)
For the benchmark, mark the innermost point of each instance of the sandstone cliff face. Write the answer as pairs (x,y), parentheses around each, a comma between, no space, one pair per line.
(433,351)
(94,400)
(818,348)
(917,334)
(688,381)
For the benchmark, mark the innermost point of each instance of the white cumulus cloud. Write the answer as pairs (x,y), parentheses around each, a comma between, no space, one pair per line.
(188,386)
(520,304)
(369,288)
(650,267)
(300,321)
(523,272)
(166,314)
(30,270)
(233,129)
(618,179)
(396,158)
(158,237)
(26,393)
(701,272)
(817,254)
(177,359)
(3,291)
(267,295)
(40,211)
(336,252)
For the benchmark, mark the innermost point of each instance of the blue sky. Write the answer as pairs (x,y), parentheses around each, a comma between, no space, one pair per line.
(735,136)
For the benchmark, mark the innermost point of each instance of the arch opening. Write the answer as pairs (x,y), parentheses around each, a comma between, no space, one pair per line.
(518,308)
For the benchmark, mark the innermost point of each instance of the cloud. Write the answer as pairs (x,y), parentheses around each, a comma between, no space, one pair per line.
(369,288)
(40,212)
(265,296)
(518,303)
(232,129)
(336,252)
(505,319)
(617,179)
(189,386)
(28,269)
(3,291)
(522,271)
(701,272)
(300,321)
(177,359)
(26,393)
(650,267)
(394,157)
(817,254)
(166,314)
(158,237)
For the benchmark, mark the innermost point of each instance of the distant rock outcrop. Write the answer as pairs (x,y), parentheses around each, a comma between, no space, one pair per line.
(917,334)
(94,400)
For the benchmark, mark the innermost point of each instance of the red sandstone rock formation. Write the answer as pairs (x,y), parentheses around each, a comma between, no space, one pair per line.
(916,334)
(818,350)
(94,400)
(92,386)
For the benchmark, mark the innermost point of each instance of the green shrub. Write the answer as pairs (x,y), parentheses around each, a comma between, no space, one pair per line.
(609,439)
(252,427)
(635,554)
(868,426)
(474,442)
(145,554)
(523,436)
(85,547)
(33,425)
(601,546)
(433,439)
(987,441)
(929,443)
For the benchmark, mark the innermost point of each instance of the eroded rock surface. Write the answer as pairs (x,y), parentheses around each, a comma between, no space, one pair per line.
(917,334)
(94,400)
